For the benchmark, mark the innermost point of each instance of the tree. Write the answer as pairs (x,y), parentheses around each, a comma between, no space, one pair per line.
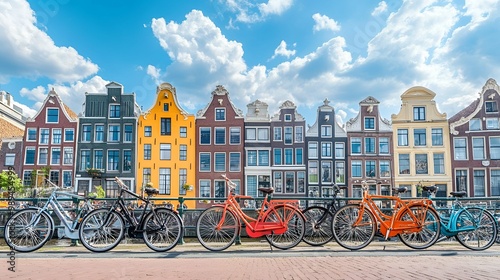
(6,186)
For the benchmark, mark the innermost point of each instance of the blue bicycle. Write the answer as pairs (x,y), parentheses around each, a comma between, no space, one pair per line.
(473,226)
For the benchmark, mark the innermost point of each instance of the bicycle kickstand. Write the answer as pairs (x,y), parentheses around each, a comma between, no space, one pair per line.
(272,236)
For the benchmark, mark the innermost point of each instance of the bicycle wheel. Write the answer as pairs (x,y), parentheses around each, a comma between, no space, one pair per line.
(347,232)
(295,223)
(428,234)
(27,231)
(162,229)
(318,226)
(101,230)
(478,227)
(217,229)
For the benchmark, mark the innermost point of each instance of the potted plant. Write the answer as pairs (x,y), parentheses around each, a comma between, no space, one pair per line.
(95,173)
(187,187)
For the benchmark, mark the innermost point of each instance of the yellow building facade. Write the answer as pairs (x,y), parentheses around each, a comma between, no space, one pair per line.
(166,148)
(421,140)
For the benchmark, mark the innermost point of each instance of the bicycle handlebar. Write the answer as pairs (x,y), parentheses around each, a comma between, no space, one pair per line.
(120,183)
(231,184)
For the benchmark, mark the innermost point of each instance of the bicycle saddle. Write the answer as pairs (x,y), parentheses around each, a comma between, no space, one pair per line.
(458,194)
(267,190)
(151,191)
(429,188)
(400,189)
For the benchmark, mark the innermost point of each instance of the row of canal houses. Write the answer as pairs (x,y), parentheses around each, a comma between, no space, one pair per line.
(182,154)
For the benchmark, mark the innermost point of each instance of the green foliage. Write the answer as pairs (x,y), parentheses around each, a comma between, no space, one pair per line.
(99,192)
(16,183)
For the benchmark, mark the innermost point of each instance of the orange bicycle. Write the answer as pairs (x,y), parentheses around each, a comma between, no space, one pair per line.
(280,221)
(414,221)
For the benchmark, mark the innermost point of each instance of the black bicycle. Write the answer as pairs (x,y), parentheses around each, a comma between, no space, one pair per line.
(102,229)
(319,220)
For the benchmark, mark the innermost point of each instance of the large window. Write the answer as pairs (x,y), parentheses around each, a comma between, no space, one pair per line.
(113,160)
(277,156)
(165,181)
(339,150)
(288,156)
(419,135)
(44,136)
(356,145)
(165,151)
(166,126)
(182,180)
(478,148)
(127,160)
(495,147)
(67,179)
(264,158)
(147,131)
(147,151)
(234,162)
(114,133)
(383,145)
(183,132)
(99,133)
(288,135)
(479,183)
(385,168)
(289,182)
(86,132)
(128,134)
(55,156)
(68,156)
(313,172)
(220,136)
(404,164)
(492,123)
(84,160)
(43,156)
(339,172)
(56,136)
(438,163)
(220,162)
(69,135)
(114,111)
(326,149)
(461,180)
(475,124)
(299,134)
(204,188)
(10,159)
(31,134)
(491,106)
(277,134)
(421,164)
(356,168)
(205,162)
(419,113)
(183,152)
(220,114)
(369,145)
(146,176)
(252,158)
(299,157)
(370,168)
(402,137)
(278,182)
(98,159)
(495,182)
(205,135)
(370,123)
(313,149)
(437,137)
(460,148)
(326,131)
(52,115)
(251,134)
(234,135)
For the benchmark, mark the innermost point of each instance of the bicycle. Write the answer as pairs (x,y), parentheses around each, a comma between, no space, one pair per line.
(415,222)
(280,221)
(29,229)
(319,220)
(472,226)
(102,229)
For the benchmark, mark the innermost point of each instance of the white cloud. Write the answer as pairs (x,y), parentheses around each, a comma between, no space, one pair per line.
(322,22)
(283,51)
(249,12)
(27,51)
(154,73)
(275,7)
(382,7)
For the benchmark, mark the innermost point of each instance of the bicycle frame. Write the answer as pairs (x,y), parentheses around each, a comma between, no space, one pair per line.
(392,225)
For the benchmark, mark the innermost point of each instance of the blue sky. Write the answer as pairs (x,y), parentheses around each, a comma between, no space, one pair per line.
(271,50)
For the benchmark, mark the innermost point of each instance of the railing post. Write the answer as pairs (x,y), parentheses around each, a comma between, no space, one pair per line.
(181,213)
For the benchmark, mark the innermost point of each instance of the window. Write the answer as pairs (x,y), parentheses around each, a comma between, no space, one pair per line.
(479,183)
(165,181)
(460,148)
(220,136)
(288,156)
(383,145)
(495,147)
(437,137)
(326,131)
(356,168)
(43,156)
(183,152)
(127,160)
(205,162)
(301,184)
(147,151)
(84,160)
(369,145)
(147,131)
(204,188)
(54,177)
(114,111)
(288,118)
(165,107)
(67,179)
(370,123)
(205,136)
(371,170)
(234,135)
(252,158)
(313,172)
(99,133)
(31,134)
(98,159)
(299,134)
(402,137)
(438,163)
(182,180)
(52,115)
(220,162)
(114,133)
(264,158)
(290,182)
(146,176)
(278,181)
(339,150)
(10,159)
(404,164)
(299,158)
(313,150)
(385,169)
(326,149)
(56,135)
(234,162)
(339,172)
(165,151)
(491,106)
(356,145)
(220,114)
(421,163)
(86,132)
(219,188)
(27,178)
(277,134)
(44,136)
(475,124)
(495,182)
(166,126)
(419,113)
(68,156)
(420,136)
(128,133)
(288,135)
(183,132)
(478,148)
(492,123)
(461,180)
(55,156)
(251,134)
(277,157)
(113,160)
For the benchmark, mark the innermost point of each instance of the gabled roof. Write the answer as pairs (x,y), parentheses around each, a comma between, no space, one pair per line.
(72,116)
(219,91)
